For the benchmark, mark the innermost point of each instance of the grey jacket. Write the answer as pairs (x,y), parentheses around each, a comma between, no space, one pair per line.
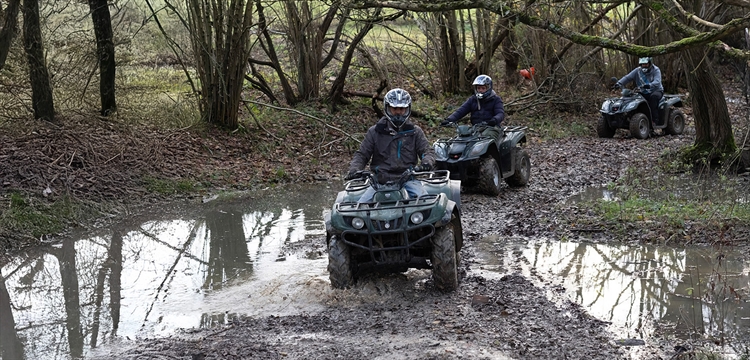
(390,151)
(653,78)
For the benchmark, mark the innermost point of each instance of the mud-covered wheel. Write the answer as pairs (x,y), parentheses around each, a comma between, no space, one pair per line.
(339,264)
(676,122)
(444,265)
(523,169)
(603,129)
(639,126)
(489,177)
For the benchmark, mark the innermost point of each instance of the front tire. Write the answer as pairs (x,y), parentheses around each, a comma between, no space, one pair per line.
(521,176)
(444,264)
(489,177)
(339,264)
(603,129)
(676,122)
(640,126)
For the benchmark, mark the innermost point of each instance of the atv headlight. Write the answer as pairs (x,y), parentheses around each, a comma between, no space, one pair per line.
(416,218)
(440,152)
(630,106)
(358,223)
(605,105)
(479,148)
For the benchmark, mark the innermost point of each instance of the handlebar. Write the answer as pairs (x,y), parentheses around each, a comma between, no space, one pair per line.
(389,185)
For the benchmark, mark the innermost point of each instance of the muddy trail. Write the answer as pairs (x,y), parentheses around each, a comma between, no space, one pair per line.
(403,316)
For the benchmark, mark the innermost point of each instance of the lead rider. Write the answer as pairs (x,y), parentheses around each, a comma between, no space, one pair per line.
(392,146)
(647,77)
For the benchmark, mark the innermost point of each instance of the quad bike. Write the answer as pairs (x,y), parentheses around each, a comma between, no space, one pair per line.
(631,111)
(394,232)
(481,162)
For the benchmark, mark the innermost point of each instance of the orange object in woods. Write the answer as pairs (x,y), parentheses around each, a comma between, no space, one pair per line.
(527,73)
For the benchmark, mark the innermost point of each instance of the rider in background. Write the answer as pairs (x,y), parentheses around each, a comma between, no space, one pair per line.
(647,77)
(485,106)
(392,146)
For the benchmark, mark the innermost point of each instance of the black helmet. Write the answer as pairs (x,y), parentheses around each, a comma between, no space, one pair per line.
(646,60)
(482,80)
(397,98)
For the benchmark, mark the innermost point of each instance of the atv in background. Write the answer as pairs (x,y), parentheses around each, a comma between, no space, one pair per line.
(480,162)
(393,232)
(631,111)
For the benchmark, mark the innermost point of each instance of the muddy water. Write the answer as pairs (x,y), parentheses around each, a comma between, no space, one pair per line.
(197,266)
(644,291)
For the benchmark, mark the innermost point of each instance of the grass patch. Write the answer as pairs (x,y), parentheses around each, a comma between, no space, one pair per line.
(671,212)
(38,217)
(171,187)
(677,204)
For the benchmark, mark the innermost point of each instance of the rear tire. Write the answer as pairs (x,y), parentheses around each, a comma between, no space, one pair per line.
(339,264)
(489,177)
(676,122)
(444,264)
(640,127)
(603,129)
(523,169)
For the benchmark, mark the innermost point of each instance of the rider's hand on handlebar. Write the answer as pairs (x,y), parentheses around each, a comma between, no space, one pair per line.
(352,175)
(423,167)
(646,87)
(616,86)
(445,123)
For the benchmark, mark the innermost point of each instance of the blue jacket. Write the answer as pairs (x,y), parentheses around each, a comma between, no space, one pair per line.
(653,78)
(489,110)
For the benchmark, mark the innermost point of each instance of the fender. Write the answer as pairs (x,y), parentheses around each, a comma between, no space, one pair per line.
(452,214)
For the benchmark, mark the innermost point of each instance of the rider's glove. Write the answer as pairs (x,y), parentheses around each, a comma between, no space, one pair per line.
(646,86)
(423,167)
(445,123)
(351,175)
(616,86)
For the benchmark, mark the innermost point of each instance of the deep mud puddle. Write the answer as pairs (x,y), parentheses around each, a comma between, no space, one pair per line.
(224,259)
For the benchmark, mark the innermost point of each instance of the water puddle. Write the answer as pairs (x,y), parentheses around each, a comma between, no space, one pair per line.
(180,271)
(688,293)
(200,265)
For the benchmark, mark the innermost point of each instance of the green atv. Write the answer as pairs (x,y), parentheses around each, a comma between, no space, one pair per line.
(393,232)
(480,162)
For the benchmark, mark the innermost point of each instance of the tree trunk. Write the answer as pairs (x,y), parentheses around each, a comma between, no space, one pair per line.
(308,36)
(512,58)
(713,128)
(105,50)
(220,39)
(337,89)
(8,32)
(41,91)
(448,52)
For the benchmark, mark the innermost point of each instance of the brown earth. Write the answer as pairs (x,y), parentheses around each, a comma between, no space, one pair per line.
(512,317)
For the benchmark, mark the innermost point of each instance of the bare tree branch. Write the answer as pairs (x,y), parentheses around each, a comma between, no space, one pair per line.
(695,39)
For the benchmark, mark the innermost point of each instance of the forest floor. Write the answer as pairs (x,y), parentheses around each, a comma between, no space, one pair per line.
(131,168)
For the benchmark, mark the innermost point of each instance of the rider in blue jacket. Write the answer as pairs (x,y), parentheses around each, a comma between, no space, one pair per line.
(485,106)
(647,78)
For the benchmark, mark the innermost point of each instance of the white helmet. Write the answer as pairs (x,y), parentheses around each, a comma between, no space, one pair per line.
(397,98)
(482,80)
(646,61)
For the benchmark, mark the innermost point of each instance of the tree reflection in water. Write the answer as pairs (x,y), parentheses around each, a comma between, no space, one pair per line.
(10,346)
(141,277)
(645,290)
